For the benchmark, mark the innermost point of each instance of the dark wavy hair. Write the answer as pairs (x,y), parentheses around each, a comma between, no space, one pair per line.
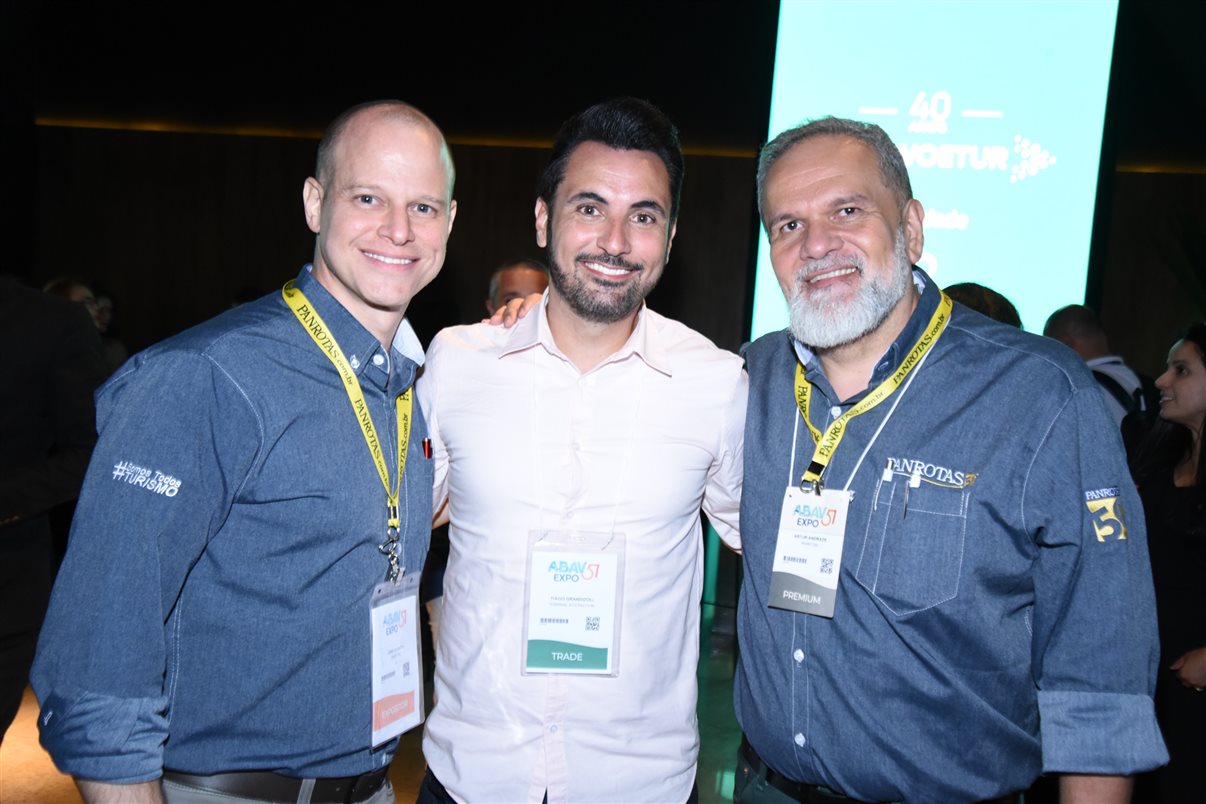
(1167,443)
(626,124)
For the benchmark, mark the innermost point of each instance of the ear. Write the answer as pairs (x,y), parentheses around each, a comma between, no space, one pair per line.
(670,239)
(542,223)
(913,213)
(312,203)
(451,217)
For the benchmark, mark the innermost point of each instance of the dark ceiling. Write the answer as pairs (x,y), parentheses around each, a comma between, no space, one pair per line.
(513,71)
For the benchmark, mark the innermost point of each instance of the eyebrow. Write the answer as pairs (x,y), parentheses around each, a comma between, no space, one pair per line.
(853,199)
(433,200)
(373,189)
(650,204)
(780,218)
(588,195)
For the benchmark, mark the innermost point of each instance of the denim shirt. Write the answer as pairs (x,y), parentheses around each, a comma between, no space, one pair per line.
(212,613)
(991,622)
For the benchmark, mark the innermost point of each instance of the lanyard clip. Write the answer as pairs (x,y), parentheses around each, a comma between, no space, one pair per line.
(816,471)
(389,548)
(816,485)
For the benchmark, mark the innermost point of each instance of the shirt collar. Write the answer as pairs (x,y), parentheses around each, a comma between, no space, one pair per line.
(406,342)
(927,303)
(358,344)
(533,330)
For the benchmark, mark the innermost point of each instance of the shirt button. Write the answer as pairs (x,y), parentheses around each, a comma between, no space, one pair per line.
(378,359)
(800,740)
(835,411)
(798,655)
(553,729)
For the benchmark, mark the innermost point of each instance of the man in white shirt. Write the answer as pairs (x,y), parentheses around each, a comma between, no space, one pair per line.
(1077,327)
(568,650)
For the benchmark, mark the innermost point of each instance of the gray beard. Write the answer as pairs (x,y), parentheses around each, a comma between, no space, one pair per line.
(821,324)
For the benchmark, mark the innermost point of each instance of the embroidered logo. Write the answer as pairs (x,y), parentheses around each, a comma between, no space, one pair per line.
(930,471)
(150,479)
(1109,520)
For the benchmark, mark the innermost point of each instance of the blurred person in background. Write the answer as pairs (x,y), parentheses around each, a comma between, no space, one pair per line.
(99,307)
(1126,392)
(73,288)
(47,430)
(986,301)
(115,351)
(516,279)
(1172,484)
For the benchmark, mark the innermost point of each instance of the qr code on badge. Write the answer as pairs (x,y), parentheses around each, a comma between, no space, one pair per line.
(826,566)
(592,623)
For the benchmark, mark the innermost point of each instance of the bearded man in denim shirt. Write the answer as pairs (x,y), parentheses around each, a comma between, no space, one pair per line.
(946,586)
(210,626)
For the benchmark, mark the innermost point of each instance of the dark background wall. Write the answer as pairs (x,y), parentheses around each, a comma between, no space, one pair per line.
(160,151)
(177,225)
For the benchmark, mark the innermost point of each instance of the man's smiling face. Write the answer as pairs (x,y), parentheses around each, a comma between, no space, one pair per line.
(607,231)
(382,216)
(841,243)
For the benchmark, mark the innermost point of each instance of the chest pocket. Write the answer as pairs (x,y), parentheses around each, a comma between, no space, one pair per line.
(912,555)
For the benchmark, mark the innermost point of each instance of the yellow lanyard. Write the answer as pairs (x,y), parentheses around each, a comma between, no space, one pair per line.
(827,443)
(312,322)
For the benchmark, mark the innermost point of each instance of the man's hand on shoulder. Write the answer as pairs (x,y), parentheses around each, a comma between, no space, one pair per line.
(108,793)
(1191,669)
(509,314)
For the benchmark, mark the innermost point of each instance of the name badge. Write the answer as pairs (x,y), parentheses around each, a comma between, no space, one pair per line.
(397,665)
(808,551)
(572,603)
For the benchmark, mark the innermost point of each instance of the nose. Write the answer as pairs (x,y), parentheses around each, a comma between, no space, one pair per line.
(395,226)
(820,240)
(613,239)
(1164,381)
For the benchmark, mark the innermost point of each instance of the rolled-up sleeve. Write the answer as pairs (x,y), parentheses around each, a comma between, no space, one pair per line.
(1095,646)
(177,440)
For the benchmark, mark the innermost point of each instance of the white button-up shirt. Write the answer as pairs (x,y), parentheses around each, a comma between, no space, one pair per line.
(524,441)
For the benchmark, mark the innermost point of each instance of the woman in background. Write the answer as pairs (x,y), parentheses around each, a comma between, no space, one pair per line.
(1171,477)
